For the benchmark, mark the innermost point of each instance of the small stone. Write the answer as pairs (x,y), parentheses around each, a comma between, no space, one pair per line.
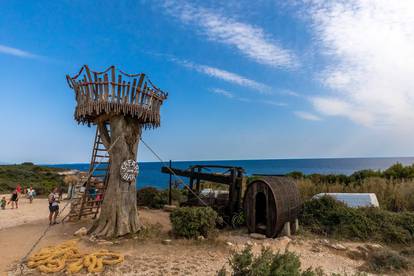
(200,238)
(169,208)
(373,246)
(324,242)
(105,243)
(81,232)
(135,238)
(230,244)
(257,236)
(249,243)
(166,242)
(338,246)
(92,239)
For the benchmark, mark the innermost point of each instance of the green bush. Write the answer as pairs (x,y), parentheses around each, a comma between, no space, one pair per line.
(192,222)
(151,197)
(386,261)
(268,263)
(154,198)
(329,217)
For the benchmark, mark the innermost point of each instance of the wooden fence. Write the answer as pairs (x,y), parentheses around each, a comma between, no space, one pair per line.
(115,92)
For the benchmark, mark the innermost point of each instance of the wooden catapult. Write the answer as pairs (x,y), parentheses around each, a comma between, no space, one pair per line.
(120,104)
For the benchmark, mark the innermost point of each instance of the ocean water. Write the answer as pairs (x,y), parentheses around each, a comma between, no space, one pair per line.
(150,172)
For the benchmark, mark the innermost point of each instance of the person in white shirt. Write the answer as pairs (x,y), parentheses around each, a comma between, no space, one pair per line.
(53,206)
(30,194)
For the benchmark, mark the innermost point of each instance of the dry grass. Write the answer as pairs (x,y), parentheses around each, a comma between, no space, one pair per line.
(393,195)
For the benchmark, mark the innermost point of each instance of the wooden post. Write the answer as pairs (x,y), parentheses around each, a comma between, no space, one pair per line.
(169,191)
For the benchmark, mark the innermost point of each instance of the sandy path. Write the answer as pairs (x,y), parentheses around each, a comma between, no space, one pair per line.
(151,257)
(26,213)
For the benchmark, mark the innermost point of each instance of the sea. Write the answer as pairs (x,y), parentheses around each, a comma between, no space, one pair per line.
(150,172)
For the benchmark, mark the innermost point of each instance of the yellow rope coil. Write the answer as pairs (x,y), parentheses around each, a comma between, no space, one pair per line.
(53,259)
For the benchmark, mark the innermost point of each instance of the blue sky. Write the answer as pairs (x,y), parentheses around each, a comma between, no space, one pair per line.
(273,79)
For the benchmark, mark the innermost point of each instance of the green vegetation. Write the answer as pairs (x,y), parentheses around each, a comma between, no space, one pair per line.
(155,198)
(269,263)
(385,261)
(192,222)
(326,216)
(41,178)
(394,186)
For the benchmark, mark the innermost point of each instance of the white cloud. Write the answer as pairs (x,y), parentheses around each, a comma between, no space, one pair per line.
(16,52)
(226,76)
(307,116)
(370,48)
(222,92)
(251,41)
(274,103)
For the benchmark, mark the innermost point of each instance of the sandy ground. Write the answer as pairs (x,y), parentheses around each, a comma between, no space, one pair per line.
(149,256)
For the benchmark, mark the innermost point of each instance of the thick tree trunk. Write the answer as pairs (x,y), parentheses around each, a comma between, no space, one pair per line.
(119,215)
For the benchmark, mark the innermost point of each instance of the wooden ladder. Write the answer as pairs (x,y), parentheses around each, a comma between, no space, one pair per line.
(92,192)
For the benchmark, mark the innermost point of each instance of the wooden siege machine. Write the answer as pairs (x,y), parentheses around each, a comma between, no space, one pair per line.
(231,177)
(100,95)
(267,202)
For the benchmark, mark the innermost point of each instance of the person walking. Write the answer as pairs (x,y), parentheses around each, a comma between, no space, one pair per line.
(14,199)
(53,206)
(30,194)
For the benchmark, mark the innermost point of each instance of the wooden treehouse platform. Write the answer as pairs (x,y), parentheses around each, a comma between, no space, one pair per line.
(113,92)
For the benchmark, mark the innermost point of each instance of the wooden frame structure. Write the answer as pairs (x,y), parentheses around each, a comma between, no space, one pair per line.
(233,177)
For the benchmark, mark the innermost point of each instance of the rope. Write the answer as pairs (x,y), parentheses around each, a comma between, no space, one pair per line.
(22,260)
(178,177)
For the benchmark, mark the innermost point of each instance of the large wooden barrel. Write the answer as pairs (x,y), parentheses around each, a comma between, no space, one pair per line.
(269,203)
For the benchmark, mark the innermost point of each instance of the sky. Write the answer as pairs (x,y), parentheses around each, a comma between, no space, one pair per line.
(246,80)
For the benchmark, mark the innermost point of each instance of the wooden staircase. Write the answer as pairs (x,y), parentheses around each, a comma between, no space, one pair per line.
(92,190)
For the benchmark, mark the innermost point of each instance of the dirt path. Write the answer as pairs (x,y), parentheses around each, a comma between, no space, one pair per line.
(150,256)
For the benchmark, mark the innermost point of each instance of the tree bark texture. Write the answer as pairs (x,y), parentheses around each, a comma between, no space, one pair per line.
(119,214)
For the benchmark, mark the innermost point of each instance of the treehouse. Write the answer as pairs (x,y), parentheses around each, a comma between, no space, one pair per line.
(113,92)
(120,105)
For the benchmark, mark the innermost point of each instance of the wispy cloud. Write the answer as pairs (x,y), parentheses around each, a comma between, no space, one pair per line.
(370,46)
(226,76)
(222,92)
(307,116)
(232,96)
(16,52)
(252,41)
(274,103)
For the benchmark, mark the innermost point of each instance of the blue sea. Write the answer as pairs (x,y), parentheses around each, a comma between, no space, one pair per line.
(150,172)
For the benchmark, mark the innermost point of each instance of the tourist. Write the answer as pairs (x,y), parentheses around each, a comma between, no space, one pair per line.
(53,206)
(3,203)
(14,199)
(18,188)
(30,194)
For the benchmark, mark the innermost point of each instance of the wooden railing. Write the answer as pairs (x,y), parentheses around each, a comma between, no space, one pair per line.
(115,91)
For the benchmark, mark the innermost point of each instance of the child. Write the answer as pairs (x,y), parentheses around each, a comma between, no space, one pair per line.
(14,199)
(3,203)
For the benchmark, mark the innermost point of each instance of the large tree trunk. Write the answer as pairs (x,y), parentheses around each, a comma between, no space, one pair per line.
(119,215)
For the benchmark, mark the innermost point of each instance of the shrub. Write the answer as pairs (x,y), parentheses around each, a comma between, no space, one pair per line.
(151,197)
(386,261)
(333,218)
(268,263)
(154,198)
(192,222)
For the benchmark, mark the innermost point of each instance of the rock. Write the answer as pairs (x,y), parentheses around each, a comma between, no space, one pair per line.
(169,208)
(103,242)
(249,243)
(92,239)
(200,238)
(166,242)
(337,246)
(81,232)
(373,246)
(230,244)
(257,236)
(324,242)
